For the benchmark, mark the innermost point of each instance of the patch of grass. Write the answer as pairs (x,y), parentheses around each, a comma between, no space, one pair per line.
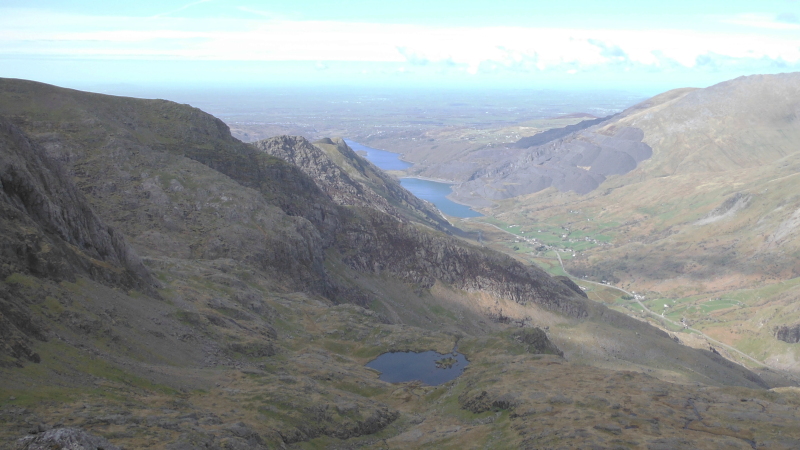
(753,346)
(338,347)
(33,385)
(355,388)
(189,318)
(22,280)
(603,294)
(635,306)
(441,311)
(43,394)
(715,305)
(604,238)
(378,307)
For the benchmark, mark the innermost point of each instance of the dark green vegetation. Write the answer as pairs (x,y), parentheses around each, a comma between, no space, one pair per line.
(446,363)
(164,285)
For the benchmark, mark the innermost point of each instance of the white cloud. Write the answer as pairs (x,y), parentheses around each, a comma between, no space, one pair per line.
(472,49)
(784,21)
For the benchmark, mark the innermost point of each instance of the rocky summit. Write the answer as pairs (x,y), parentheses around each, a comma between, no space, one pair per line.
(164,285)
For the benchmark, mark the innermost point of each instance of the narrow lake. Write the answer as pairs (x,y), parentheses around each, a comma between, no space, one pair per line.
(429,367)
(436,193)
(381,158)
(432,191)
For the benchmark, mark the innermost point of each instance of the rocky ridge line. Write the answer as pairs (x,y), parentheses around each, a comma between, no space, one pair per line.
(383,241)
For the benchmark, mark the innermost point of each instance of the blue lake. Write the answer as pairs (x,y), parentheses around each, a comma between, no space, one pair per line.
(381,158)
(432,191)
(437,193)
(399,367)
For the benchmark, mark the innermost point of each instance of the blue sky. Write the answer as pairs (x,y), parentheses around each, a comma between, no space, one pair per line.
(641,45)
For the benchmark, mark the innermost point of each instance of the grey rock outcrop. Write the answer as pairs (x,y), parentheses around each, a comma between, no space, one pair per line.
(351,180)
(790,334)
(422,257)
(64,438)
(537,341)
(50,231)
(37,195)
(727,209)
(478,402)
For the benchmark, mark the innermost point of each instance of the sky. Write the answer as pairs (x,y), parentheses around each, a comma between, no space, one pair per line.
(640,45)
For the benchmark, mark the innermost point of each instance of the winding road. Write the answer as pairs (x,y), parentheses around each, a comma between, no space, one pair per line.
(710,339)
(726,346)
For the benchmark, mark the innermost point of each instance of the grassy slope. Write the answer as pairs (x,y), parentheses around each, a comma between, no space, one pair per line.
(738,138)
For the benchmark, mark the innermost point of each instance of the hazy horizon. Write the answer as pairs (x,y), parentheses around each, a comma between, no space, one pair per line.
(644,46)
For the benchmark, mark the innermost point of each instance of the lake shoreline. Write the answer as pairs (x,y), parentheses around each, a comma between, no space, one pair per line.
(451,183)
(399,155)
(437,191)
(435,180)
(383,159)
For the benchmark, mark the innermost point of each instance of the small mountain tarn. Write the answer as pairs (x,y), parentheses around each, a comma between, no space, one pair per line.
(429,367)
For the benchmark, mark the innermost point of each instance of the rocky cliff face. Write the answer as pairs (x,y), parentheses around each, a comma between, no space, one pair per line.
(174,181)
(50,231)
(421,257)
(326,174)
(62,234)
(351,180)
